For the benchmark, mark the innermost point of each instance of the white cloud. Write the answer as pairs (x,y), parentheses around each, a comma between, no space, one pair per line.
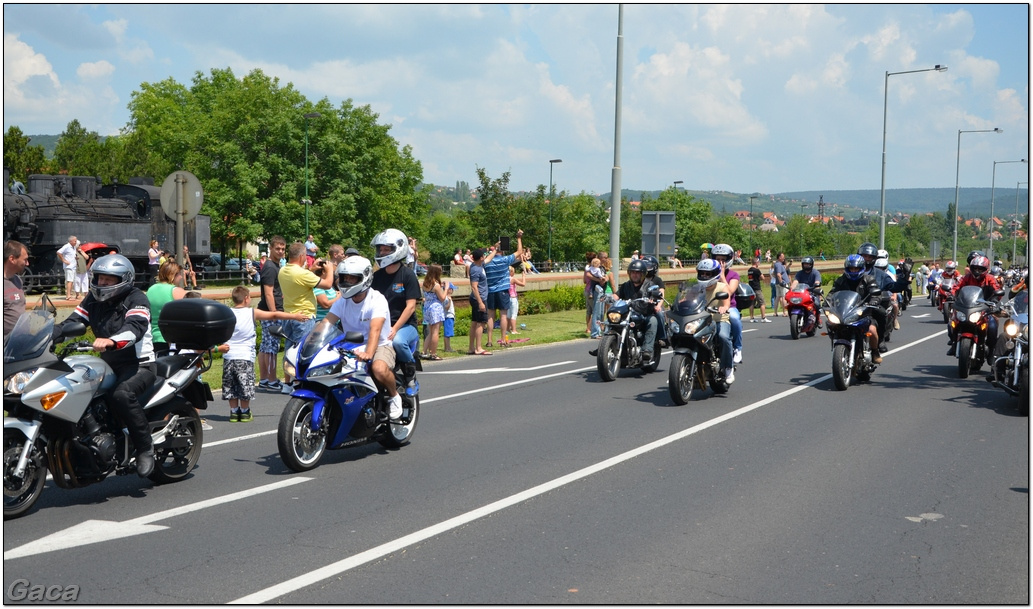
(21,63)
(94,70)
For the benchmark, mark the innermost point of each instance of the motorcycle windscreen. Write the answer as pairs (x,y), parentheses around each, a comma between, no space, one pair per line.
(968,297)
(691,299)
(30,336)
(1021,303)
(321,335)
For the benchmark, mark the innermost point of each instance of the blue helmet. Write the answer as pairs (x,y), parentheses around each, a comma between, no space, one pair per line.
(708,271)
(853,267)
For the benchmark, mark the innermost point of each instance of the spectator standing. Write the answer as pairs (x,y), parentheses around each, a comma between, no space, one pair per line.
(399,285)
(478,303)
(921,277)
(188,270)
(413,256)
(67,256)
(592,278)
(514,304)
(271,300)
(164,291)
(635,255)
(16,258)
(497,272)
(82,272)
(450,316)
(781,275)
(153,260)
(325,298)
(238,354)
(311,251)
(433,310)
(773,280)
(755,275)
(459,263)
(297,283)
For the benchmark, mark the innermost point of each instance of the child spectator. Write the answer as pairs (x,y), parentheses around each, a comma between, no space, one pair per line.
(238,360)
(514,307)
(450,316)
(433,310)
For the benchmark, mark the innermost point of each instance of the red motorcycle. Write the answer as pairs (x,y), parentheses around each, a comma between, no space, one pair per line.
(945,296)
(802,306)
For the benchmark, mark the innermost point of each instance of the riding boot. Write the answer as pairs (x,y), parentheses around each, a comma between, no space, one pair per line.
(139,432)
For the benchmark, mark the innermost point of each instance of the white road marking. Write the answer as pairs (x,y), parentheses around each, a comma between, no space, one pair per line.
(501,369)
(921,316)
(351,562)
(96,531)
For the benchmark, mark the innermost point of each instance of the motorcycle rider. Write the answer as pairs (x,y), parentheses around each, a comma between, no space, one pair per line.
(637,286)
(810,276)
(710,277)
(398,283)
(360,309)
(724,255)
(856,279)
(120,316)
(869,254)
(977,275)
(652,268)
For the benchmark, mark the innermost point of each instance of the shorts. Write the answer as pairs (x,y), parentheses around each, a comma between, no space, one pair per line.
(386,354)
(270,343)
(477,314)
(69,275)
(238,379)
(514,306)
(450,327)
(498,301)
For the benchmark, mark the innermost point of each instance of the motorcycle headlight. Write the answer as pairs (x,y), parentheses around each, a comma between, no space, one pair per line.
(692,326)
(328,370)
(1011,329)
(615,318)
(674,327)
(832,318)
(795,300)
(16,382)
(974,317)
(289,369)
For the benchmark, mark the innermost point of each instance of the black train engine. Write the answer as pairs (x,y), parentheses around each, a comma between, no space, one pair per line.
(124,217)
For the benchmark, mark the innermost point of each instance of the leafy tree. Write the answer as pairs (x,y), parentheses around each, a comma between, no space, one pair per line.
(20,157)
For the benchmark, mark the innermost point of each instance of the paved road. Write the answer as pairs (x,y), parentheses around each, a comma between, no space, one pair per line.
(531,481)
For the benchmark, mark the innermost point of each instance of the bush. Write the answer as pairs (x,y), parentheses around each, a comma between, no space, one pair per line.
(559,298)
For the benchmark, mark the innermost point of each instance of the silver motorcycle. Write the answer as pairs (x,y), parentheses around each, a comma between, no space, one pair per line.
(57,417)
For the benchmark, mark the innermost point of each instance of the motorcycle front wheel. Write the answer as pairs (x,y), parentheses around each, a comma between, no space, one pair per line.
(795,321)
(607,360)
(1024,391)
(681,378)
(21,493)
(842,367)
(178,454)
(964,351)
(301,447)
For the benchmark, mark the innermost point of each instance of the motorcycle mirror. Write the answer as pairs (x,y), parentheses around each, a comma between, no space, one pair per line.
(76,328)
(721,296)
(47,305)
(277,331)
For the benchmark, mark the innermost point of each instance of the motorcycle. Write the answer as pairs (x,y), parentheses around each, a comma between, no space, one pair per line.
(847,317)
(335,403)
(945,297)
(621,342)
(58,418)
(969,320)
(804,315)
(1010,370)
(694,338)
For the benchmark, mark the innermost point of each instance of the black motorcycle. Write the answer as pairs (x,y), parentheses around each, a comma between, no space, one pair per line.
(1010,370)
(848,318)
(620,345)
(694,339)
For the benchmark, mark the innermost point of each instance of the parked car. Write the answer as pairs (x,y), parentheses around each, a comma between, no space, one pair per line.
(213,264)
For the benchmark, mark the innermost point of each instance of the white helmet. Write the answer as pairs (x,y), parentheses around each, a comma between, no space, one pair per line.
(723,249)
(882,263)
(354,266)
(394,238)
(708,271)
(883,254)
(115,265)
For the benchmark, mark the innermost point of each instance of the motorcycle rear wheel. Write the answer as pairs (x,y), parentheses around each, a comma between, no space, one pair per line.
(842,367)
(20,495)
(681,378)
(607,361)
(795,321)
(964,350)
(300,446)
(178,455)
(399,435)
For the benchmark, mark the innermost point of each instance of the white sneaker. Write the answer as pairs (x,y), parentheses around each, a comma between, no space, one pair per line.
(395,408)
(730,375)
(737,356)
(286,389)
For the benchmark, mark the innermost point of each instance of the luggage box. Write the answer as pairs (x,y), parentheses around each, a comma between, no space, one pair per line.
(196,323)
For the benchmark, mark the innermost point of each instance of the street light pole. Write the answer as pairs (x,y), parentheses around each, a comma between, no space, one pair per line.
(802,207)
(993,182)
(306,201)
(957,174)
(751,226)
(885,104)
(1015,222)
(552,195)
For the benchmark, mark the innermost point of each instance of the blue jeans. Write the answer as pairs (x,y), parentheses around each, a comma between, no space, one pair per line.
(406,342)
(736,317)
(295,331)
(724,344)
(597,315)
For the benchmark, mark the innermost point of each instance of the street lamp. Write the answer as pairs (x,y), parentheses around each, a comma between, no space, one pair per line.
(306,201)
(751,226)
(993,181)
(885,102)
(802,207)
(677,182)
(957,173)
(1015,222)
(552,163)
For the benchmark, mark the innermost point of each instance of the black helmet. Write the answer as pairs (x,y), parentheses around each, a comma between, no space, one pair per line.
(652,266)
(868,249)
(972,255)
(807,264)
(638,266)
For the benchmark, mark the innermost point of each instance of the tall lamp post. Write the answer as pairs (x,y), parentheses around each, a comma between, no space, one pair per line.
(803,206)
(1015,222)
(957,174)
(885,104)
(306,201)
(751,227)
(677,182)
(993,182)
(552,163)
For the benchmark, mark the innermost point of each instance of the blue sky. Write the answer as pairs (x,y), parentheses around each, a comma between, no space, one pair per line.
(744,98)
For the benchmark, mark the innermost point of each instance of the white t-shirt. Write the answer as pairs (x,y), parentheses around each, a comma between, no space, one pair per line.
(67,252)
(356,317)
(242,342)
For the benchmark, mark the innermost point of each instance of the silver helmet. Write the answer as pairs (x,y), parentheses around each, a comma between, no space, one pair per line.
(396,240)
(115,265)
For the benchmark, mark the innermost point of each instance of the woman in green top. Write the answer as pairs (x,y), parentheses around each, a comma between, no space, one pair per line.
(165,290)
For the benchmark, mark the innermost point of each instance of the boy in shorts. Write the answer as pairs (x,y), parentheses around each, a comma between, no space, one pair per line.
(478,305)
(450,317)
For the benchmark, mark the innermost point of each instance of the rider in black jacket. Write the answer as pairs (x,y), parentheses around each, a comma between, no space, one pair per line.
(869,254)
(120,316)
(855,279)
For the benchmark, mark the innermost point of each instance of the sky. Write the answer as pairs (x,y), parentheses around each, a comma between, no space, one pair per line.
(739,98)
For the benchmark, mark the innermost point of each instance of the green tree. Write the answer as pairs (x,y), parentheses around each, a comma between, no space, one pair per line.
(22,158)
